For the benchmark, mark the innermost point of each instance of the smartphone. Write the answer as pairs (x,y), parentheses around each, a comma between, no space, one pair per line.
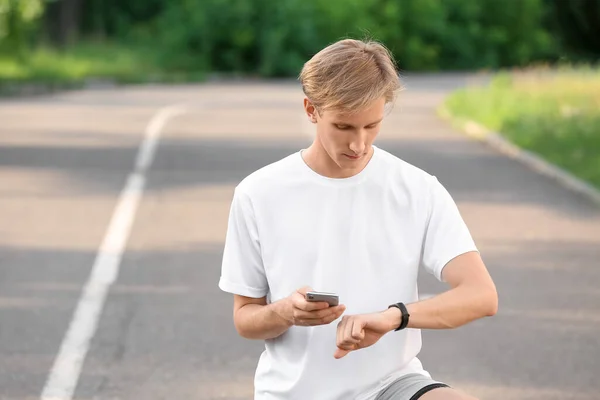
(331,298)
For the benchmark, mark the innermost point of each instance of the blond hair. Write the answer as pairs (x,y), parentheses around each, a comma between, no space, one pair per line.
(349,75)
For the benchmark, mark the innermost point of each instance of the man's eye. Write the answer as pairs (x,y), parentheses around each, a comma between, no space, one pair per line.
(342,127)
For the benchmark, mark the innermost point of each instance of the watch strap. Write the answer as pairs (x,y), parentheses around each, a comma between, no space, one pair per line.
(405,315)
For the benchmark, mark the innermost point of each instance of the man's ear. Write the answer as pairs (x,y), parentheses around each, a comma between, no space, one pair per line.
(311,111)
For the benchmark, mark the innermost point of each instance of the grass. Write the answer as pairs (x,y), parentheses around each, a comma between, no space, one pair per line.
(553,113)
(86,61)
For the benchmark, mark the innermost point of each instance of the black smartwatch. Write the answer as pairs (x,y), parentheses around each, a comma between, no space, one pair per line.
(405,315)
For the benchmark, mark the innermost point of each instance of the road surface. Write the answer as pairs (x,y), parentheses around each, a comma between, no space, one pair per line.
(113,210)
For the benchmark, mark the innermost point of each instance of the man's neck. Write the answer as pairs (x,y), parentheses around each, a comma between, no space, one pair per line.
(319,161)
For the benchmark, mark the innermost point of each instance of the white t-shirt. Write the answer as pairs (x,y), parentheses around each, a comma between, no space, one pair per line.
(362,237)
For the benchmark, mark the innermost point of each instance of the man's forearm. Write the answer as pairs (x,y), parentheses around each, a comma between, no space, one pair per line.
(255,321)
(451,309)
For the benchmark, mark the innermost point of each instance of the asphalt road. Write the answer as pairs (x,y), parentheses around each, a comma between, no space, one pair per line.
(164,329)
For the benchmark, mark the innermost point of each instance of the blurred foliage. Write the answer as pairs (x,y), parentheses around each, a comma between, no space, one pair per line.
(576,24)
(263,37)
(274,38)
(49,65)
(85,62)
(553,113)
(18,23)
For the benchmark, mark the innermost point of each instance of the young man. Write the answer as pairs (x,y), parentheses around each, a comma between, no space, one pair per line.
(345,216)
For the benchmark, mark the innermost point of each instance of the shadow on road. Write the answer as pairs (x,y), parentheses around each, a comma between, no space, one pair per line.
(471,173)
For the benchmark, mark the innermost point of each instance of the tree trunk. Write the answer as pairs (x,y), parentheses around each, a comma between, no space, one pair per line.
(70,14)
(63,20)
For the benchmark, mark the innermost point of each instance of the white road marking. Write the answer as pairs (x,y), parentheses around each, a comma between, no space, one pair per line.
(66,370)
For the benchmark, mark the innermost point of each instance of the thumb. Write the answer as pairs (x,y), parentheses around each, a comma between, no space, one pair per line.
(339,353)
(304,289)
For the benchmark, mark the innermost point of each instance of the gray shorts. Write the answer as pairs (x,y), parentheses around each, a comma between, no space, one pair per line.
(409,387)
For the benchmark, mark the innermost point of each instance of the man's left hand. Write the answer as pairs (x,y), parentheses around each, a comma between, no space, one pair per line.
(359,331)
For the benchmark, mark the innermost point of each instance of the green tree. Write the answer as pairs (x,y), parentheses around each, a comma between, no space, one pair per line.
(19,20)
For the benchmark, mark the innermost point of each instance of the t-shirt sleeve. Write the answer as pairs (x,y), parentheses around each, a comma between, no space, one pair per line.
(446,233)
(242,270)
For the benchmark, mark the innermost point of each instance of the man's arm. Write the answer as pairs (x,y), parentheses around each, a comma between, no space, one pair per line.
(255,319)
(472,296)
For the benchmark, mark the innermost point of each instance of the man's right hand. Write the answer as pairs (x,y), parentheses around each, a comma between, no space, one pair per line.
(300,312)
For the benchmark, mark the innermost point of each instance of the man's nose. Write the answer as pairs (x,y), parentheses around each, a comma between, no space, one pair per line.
(358,145)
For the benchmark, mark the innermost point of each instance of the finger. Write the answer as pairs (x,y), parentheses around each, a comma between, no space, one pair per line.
(320,321)
(335,310)
(308,318)
(342,341)
(358,332)
(348,340)
(303,290)
(329,319)
(300,303)
(320,314)
(305,305)
(340,331)
(338,312)
(313,306)
(339,353)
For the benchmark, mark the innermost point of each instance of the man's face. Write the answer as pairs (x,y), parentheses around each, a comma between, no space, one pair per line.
(347,138)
